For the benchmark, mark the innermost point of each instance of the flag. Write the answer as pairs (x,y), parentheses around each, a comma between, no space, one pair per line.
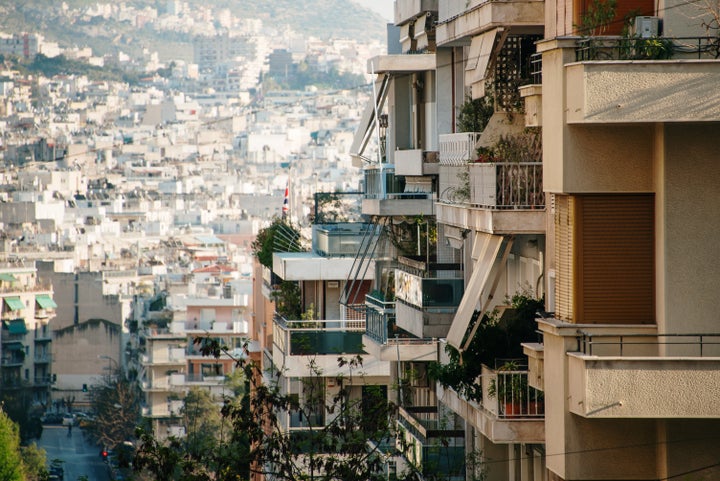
(286,200)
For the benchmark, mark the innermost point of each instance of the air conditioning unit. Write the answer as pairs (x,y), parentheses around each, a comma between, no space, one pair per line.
(646,27)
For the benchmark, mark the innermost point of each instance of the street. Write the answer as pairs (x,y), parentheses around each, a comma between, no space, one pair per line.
(81,458)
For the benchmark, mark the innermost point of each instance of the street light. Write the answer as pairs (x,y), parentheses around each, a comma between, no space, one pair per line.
(109,367)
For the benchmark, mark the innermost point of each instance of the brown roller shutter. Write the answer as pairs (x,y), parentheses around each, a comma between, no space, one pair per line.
(615,266)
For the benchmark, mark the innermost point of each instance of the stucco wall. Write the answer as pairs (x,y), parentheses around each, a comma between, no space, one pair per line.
(692,252)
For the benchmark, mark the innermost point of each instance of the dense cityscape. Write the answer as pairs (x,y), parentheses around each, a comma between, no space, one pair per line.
(474,243)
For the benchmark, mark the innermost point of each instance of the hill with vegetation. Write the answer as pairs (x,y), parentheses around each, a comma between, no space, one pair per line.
(59,22)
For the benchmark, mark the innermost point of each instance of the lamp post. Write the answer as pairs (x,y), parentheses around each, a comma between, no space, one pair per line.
(109,366)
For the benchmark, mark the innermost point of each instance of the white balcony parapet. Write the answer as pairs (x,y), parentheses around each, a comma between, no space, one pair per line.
(458,149)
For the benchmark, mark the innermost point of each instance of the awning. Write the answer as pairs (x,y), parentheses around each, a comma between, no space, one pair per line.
(482,51)
(4,276)
(368,120)
(17,326)
(487,261)
(14,303)
(45,302)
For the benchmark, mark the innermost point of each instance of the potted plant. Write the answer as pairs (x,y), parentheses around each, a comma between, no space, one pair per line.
(511,390)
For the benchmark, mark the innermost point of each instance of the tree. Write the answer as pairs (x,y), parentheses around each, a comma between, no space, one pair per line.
(202,421)
(340,441)
(11,465)
(34,459)
(18,406)
(116,403)
(279,236)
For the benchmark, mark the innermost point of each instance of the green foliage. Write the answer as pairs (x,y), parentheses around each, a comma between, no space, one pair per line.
(597,18)
(495,338)
(474,115)
(201,418)
(287,300)
(17,405)
(11,464)
(259,443)
(279,236)
(34,459)
(304,75)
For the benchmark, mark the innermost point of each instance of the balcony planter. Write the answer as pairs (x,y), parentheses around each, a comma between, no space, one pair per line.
(511,390)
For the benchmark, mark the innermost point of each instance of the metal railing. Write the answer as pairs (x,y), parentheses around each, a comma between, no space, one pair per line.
(507,185)
(536,69)
(382,183)
(652,48)
(514,396)
(647,345)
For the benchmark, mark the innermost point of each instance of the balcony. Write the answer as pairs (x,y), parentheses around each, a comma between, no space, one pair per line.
(296,342)
(340,240)
(165,357)
(509,410)
(491,197)
(42,358)
(645,376)
(409,9)
(441,440)
(609,82)
(42,381)
(396,344)
(387,194)
(213,379)
(415,162)
(459,19)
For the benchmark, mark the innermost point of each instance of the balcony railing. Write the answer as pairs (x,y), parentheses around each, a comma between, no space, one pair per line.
(507,185)
(319,337)
(441,438)
(340,239)
(42,358)
(382,183)
(653,48)
(428,293)
(536,69)
(458,149)
(628,345)
(304,420)
(513,395)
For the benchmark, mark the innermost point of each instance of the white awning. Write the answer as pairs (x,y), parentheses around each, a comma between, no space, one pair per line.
(368,120)
(480,54)
(486,262)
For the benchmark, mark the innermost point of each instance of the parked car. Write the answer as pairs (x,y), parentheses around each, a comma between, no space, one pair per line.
(56,469)
(52,418)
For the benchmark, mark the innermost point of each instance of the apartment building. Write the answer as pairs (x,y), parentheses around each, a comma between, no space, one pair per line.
(304,328)
(215,305)
(588,187)
(629,358)
(26,338)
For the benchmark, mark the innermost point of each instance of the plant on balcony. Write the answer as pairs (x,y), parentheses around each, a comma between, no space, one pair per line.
(474,114)
(287,299)
(414,236)
(596,19)
(279,236)
(497,337)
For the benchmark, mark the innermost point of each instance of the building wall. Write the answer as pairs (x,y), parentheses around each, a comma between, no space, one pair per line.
(688,228)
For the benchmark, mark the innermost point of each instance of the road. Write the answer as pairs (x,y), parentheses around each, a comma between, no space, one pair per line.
(81,458)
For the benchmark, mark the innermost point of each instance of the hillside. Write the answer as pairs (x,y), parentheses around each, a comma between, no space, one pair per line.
(321,18)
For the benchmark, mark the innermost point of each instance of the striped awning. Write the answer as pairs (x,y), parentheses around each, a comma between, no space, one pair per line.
(45,302)
(14,303)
